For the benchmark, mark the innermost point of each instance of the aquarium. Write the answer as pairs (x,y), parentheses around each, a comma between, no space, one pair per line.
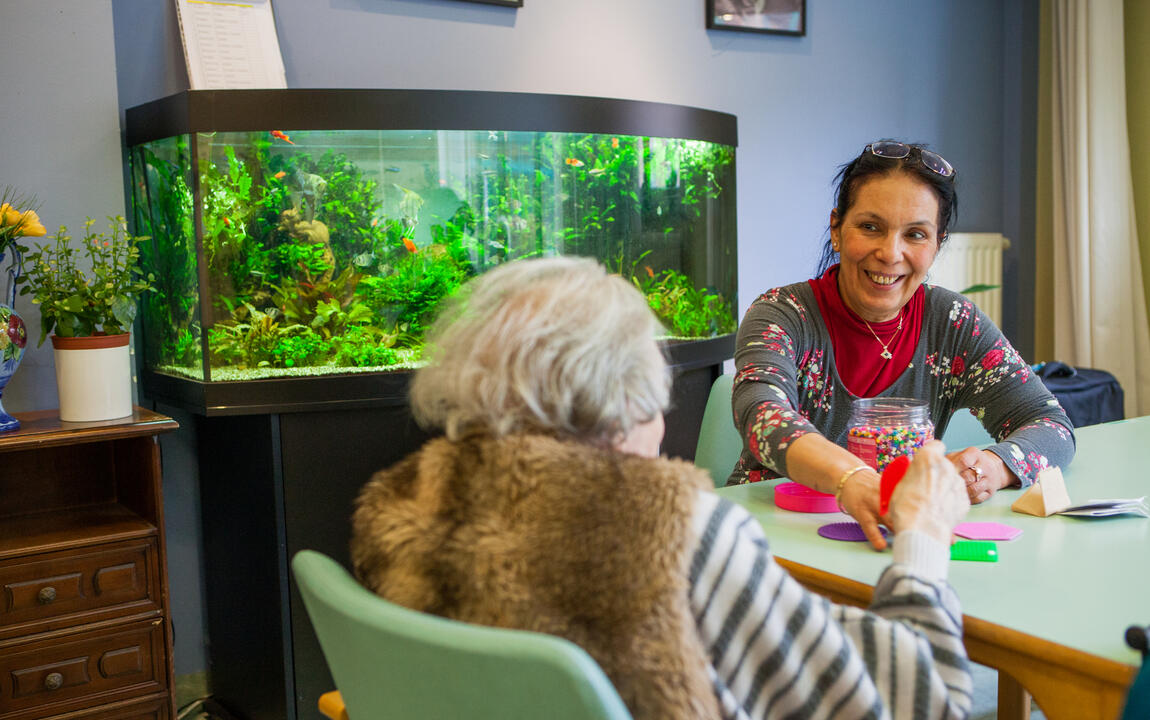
(309,237)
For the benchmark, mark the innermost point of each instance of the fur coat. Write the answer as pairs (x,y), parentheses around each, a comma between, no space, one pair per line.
(540,534)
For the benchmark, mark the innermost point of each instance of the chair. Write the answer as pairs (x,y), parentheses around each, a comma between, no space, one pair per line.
(963,431)
(1138,700)
(392,662)
(719,443)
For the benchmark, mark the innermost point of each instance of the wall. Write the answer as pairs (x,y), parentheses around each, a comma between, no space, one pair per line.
(938,72)
(1137,26)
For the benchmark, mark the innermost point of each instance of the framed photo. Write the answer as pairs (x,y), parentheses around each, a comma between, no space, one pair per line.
(504,3)
(782,17)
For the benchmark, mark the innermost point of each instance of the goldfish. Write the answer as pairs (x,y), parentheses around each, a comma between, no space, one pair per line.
(280,175)
(614,142)
(279,134)
(574,162)
(650,272)
(374,222)
(227,222)
(407,243)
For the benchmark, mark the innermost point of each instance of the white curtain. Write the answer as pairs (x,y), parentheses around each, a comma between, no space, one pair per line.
(1099,313)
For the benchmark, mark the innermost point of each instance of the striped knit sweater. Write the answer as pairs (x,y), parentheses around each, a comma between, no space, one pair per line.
(780,651)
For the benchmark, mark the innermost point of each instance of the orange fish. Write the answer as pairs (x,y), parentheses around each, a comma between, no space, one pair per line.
(279,134)
(374,222)
(280,175)
(574,162)
(227,222)
(614,142)
(407,243)
(650,272)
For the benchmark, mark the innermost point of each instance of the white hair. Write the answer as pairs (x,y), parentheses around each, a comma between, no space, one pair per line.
(553,345)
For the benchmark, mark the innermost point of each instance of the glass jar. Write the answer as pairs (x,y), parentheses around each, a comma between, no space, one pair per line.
(881,429)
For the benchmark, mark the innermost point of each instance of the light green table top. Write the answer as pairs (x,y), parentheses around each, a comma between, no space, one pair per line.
(1078,582)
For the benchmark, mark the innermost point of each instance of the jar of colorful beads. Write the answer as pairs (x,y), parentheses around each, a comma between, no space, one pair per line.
(881,429)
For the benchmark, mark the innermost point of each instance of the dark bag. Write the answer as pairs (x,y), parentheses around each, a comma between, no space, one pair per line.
(1087,395)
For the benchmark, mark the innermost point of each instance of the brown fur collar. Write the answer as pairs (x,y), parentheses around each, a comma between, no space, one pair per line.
(539,534)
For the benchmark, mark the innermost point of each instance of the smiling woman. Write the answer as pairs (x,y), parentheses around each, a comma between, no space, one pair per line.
(868,326)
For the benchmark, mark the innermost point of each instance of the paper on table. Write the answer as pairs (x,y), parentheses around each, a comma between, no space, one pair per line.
(229,45)
(1106,508)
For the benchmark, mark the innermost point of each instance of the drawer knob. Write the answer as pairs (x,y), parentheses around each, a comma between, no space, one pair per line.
(53,681)
(46,595)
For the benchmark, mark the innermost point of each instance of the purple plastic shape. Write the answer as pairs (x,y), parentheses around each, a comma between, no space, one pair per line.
(849,531)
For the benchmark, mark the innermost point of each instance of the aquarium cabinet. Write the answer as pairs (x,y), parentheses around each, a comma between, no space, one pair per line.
(302,242)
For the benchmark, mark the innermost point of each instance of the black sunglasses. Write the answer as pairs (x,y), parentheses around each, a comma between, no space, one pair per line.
(897,151)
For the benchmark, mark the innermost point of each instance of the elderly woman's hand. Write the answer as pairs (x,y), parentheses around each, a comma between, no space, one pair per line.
(983,472)
(931,498)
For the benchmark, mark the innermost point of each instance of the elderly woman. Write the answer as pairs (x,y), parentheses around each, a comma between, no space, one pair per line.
(870,326)
(546,507)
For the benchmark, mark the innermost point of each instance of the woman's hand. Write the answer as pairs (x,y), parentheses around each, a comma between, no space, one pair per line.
(983,472)
(931,497)
(859,499)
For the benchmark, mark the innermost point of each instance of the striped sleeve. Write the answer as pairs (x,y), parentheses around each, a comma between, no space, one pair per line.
(780,651)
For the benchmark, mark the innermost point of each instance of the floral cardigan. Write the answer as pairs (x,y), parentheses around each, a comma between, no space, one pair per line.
(787,385)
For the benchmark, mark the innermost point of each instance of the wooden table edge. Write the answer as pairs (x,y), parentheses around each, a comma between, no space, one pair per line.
(1061,679)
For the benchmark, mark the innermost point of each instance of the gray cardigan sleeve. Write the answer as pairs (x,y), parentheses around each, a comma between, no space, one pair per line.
(982,371)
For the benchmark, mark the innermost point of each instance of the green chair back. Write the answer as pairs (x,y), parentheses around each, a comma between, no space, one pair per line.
(392,662)
(963,431)
(719,442)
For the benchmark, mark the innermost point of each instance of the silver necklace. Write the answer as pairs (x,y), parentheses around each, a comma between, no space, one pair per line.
(886,354)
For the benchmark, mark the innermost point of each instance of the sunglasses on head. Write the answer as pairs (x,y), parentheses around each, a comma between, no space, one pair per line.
(897,151)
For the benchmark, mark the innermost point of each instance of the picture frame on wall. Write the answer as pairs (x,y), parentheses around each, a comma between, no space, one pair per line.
(778,17)
(504,3)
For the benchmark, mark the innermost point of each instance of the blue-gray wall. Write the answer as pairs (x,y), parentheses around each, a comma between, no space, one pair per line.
(958,74)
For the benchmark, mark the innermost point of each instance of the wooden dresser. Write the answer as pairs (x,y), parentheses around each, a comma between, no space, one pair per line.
(85,629)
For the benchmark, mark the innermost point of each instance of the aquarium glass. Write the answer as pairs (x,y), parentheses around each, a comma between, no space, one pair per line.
(330,251)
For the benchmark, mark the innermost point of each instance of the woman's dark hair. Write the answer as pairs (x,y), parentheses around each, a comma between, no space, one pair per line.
(867,165)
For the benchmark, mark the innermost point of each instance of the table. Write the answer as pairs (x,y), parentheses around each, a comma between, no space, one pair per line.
(1051,613)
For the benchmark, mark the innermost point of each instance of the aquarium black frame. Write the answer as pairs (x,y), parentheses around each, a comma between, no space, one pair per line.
(195,111)
(714,24)
(501,3)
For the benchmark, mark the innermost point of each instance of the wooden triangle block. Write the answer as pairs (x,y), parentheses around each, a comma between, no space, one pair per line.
(1045,497)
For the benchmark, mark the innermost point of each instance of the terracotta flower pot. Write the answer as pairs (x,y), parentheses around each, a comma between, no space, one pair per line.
(93,377)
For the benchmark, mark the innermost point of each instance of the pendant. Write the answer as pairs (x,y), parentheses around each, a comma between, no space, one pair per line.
(886,354)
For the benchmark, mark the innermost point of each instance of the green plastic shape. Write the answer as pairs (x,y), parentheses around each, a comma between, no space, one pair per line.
(976,550)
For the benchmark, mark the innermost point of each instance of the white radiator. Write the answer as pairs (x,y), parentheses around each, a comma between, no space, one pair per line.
(969,259)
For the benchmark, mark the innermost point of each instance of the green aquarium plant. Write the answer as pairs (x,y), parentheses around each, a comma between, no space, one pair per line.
(75,302)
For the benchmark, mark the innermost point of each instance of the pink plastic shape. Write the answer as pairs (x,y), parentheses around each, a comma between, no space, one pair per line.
(800,498)
(986,531)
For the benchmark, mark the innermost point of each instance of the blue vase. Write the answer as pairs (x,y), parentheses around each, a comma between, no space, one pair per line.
(13,340)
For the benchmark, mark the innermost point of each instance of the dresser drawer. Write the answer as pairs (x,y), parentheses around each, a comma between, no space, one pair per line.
(55,676)
(61,589)
(153,708)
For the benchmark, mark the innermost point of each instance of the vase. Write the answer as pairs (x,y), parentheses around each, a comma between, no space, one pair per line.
(13,340)
(93,377)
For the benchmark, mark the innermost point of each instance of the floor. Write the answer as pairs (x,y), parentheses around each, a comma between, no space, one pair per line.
(986,695)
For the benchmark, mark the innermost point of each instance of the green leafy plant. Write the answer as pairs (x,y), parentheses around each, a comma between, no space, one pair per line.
(77,303)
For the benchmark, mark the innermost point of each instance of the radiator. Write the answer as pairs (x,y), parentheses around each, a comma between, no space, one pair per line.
(969,259)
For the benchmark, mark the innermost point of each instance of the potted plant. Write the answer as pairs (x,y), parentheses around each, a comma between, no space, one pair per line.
(89,310)
(16,220)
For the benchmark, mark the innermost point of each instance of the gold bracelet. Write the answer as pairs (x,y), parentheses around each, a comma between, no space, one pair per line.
(842,483)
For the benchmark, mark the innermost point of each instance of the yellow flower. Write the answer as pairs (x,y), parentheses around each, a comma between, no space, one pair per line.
(30,225)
